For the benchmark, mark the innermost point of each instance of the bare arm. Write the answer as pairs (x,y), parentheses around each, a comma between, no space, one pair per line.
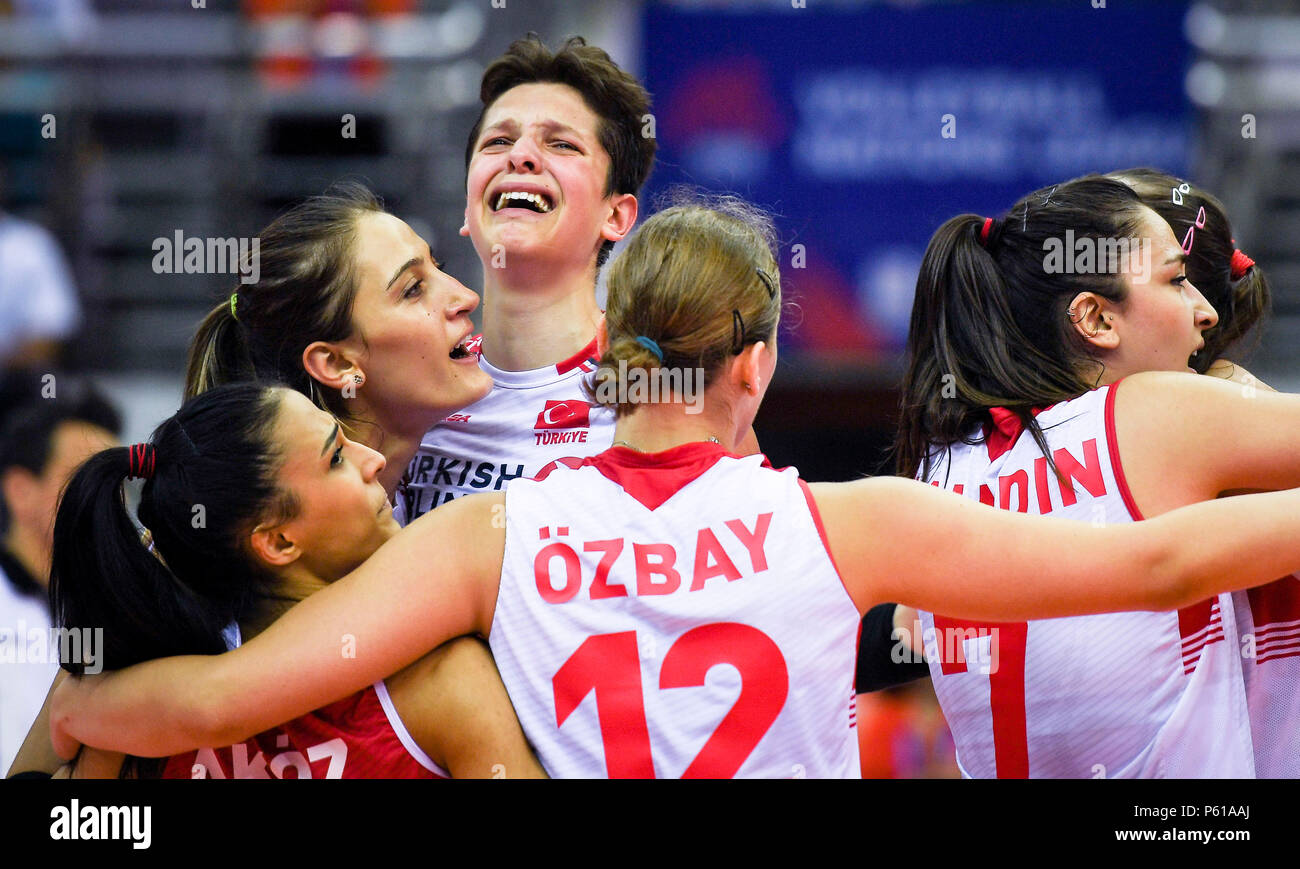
(897,539)
(1184,438)
(435,580)
(455,705)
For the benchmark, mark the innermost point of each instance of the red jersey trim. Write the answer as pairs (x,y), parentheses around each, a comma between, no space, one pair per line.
(403,735)
(566,461)
(1112,445)
(1004,429)
(653,478)
(586,354)
(826,544)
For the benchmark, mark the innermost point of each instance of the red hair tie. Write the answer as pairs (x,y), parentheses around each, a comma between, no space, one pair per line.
(984,231)
(143,459)
(1240,264)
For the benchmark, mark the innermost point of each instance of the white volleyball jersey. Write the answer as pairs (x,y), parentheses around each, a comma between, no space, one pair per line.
(676,615)
(528,420)
(1268,621)
(1120,695)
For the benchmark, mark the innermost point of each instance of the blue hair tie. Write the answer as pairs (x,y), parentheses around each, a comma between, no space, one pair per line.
(651,346)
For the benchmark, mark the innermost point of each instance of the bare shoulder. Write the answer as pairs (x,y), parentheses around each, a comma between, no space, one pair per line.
(469,531)
(1226,369)
(448,664)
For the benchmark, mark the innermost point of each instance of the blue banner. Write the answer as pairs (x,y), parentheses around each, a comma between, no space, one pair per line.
(865,129)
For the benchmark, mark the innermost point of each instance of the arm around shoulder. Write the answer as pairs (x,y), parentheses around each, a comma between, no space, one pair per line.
(434,580)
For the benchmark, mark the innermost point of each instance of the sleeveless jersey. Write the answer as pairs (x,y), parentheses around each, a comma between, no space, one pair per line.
(360,736)
(675,614)
(1120,695)
(1268,620)
(529,419)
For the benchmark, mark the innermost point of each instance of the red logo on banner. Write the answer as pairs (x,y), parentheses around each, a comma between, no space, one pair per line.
(572,413)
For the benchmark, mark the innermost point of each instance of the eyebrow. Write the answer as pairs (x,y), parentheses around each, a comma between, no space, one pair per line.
(413,261)
(329,441)
(1178,258)
(557,127)
(511,125)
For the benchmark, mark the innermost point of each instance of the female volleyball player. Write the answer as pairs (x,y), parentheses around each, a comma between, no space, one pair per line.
(1268,617)
(610,587)
(352,310)
(253,499)
(1022,329)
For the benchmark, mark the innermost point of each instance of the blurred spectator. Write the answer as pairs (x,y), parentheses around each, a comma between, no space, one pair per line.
(42,443)
(902,734)
(38,302)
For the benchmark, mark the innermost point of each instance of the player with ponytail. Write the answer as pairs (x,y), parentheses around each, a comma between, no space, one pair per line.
(252,500)
(352,310)
(1022,330)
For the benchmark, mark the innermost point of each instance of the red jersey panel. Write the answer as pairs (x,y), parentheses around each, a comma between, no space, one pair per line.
(357,737)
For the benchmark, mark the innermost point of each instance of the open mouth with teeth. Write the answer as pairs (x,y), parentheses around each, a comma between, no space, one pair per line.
(537,202)
(460,351)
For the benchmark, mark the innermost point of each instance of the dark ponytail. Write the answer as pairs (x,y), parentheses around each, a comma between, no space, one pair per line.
(989,323)
(214,479)
(306,287)
(1241,302)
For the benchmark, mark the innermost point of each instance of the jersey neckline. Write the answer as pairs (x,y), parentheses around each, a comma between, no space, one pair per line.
(583,360)
(653,478)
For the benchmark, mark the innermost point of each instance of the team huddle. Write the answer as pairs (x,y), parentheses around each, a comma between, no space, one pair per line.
(430,553)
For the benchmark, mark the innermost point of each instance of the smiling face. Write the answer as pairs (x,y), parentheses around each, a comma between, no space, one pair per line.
(410,321)
(1161,321)
(537,179)
(343,512)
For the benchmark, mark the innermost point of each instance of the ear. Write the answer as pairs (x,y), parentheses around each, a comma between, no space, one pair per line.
(273,547)
(464,226)
(622,215)
(747,369)
(329,364)
(1092,317)
(602,337)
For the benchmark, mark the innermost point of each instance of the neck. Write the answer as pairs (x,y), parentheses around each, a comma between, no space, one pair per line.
(296,584)
(1099,374)
(653,428)
(535,316)
(31,551)
(396,438)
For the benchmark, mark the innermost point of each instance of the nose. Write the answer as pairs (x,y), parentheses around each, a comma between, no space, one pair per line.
(524,156)
(1206,316)
(371,462)
(462,300)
